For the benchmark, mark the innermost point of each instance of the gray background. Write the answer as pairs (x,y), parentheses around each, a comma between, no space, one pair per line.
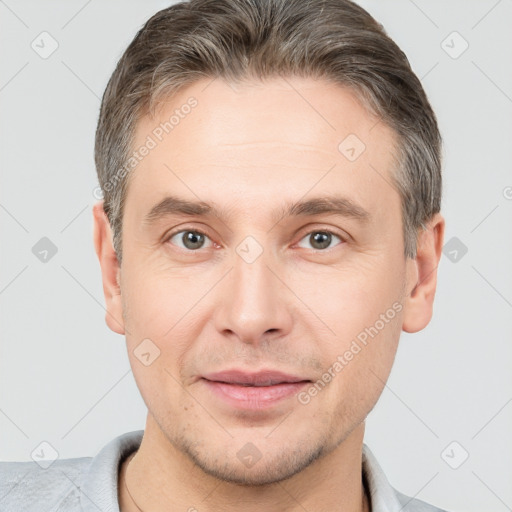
(65,377)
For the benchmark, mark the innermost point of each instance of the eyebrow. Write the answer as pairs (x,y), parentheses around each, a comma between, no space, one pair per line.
(333,205)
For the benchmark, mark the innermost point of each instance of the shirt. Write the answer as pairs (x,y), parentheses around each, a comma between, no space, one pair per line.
(89,484)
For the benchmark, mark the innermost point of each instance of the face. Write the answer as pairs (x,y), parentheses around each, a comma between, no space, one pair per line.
(315,291)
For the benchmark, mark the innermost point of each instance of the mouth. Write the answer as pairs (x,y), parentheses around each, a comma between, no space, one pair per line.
(253,391)
(267,384)
(263,378)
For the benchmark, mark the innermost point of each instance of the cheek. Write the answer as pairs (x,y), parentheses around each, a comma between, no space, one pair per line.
(162,321)
(348,299)
(358,367)
(155,301)
(360,313)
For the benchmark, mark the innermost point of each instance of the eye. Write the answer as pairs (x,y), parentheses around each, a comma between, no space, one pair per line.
(192,239)
(320,239)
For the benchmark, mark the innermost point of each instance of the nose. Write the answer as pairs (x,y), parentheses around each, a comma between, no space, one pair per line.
(254,301)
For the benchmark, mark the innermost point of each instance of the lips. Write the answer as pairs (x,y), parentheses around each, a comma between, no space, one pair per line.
(254,393)
(258,379)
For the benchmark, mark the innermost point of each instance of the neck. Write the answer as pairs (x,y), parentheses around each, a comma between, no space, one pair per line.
(158,476)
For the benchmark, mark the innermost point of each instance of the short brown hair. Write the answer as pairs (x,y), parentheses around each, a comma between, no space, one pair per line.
(241,39)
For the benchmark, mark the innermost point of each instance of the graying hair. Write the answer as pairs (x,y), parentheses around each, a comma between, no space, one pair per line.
(236,40)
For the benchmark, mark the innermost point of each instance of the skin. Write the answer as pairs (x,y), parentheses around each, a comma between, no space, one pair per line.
(251,148)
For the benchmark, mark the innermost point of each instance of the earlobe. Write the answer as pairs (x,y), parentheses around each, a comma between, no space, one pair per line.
(422,276)
(110,269)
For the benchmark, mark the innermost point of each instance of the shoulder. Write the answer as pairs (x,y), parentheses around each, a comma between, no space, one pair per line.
(385,497)
(27,486)
(82,484)
(415,505)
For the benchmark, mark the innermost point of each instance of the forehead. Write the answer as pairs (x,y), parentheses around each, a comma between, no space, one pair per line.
(292,134)
(294,110)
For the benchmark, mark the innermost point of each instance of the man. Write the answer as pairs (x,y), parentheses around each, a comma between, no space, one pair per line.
(270,224)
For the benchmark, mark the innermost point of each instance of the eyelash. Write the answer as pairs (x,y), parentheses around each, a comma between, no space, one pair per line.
(195,230)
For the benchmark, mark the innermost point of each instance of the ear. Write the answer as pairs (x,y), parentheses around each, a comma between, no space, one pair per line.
(110,269)
(422,276)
